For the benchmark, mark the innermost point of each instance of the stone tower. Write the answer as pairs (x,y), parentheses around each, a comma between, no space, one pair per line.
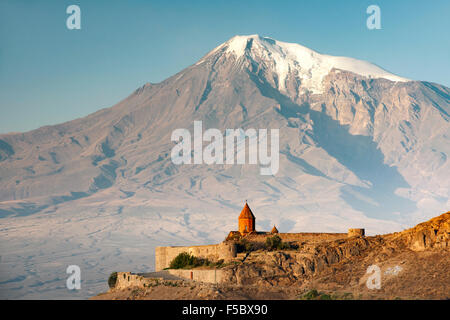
(246,220)
(274,230)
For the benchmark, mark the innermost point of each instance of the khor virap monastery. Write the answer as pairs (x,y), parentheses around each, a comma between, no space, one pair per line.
(227,250)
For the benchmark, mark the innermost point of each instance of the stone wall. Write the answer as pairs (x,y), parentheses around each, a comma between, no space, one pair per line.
(356,232)
(204,275)
(127,279)
(224,250)
(227,249)
(131,280)
(297,237)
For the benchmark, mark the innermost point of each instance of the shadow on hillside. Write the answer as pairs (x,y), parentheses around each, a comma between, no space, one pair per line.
(361,155)
(358,153)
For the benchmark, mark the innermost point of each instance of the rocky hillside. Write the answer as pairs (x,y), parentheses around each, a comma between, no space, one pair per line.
(414,264)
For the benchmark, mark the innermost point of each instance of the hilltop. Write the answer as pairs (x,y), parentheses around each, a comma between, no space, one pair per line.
(414,264)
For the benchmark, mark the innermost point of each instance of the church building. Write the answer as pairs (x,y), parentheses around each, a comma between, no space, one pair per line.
(246,225)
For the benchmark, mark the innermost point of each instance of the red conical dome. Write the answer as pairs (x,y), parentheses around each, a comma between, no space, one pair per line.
(246,213)
(246,220)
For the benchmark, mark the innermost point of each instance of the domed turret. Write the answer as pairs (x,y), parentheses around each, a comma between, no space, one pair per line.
(246,220)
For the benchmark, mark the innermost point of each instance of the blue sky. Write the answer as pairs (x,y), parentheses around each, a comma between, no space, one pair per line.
(49,74)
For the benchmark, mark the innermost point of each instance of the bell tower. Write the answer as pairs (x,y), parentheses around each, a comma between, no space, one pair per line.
(246,220)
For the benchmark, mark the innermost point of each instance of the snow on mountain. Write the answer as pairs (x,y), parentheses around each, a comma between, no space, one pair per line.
(359,147)
(291,59)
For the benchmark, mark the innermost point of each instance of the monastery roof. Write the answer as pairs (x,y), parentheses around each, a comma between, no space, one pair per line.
(246,213)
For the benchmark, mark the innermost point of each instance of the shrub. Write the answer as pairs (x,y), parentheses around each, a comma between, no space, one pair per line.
(185,260)
(220,262)
(315,295)
(347,296)
(245,246)
(275,242)
(311,294)
(112,280)
(182,260)
(248,246)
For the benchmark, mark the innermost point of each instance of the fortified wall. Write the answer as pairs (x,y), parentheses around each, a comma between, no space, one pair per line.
(297,237)
(227,250)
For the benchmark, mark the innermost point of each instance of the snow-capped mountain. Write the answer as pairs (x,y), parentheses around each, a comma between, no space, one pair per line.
(293,62)
(359,147)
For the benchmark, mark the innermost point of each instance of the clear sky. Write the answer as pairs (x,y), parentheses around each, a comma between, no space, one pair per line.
(49,74)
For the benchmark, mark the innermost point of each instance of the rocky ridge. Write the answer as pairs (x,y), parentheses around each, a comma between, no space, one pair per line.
(414,264)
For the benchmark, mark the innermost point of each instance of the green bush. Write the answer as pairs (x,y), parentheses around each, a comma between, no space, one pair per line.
(316,295)
(112,280)
(248,247)
(347,296)
(182,260)
(245,246)
(275,242)
(311,294)
(220,262)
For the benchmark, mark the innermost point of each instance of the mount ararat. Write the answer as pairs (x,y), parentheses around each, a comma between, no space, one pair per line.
(359,147)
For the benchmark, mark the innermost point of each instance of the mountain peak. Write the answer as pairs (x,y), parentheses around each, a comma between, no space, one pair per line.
(297,61)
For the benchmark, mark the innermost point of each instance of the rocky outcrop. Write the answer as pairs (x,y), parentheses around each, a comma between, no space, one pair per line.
(413,262)
(312,259)
(434,233)
(271,267)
